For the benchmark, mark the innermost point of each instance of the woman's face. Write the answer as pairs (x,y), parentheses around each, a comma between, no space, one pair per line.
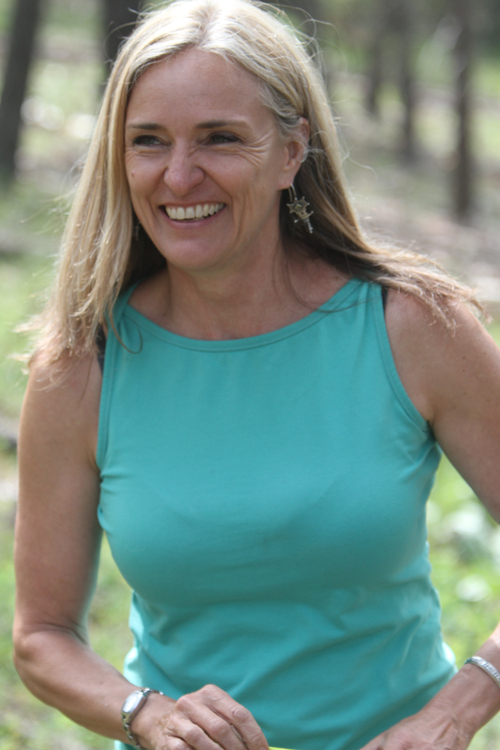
(205,162)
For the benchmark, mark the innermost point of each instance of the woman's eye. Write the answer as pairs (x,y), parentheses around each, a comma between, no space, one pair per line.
(146,140)
(223,138)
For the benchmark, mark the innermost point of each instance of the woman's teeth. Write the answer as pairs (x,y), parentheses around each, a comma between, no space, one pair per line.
(193,212)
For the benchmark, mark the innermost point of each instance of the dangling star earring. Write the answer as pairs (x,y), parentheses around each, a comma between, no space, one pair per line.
(298,209)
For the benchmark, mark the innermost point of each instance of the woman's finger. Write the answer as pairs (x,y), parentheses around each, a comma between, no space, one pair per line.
(238,719)
(376,744)
(168,742)
(205,730)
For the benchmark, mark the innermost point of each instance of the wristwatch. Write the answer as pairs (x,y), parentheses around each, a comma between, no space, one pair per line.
(131,708)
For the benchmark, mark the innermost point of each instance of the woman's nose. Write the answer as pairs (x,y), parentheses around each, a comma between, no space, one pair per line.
(182,174)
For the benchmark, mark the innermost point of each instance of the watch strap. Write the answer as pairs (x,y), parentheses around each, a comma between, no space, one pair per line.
(129,716)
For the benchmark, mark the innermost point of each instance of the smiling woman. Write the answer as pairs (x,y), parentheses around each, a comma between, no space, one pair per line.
(249,399)
(206,171)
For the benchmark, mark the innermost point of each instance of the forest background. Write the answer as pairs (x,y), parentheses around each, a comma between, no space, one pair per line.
(415,86)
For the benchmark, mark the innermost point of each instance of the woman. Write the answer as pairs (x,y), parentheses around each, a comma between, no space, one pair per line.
(261,441)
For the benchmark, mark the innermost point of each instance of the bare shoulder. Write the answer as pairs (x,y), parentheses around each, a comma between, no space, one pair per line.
(412,332)
(436,363)
(453,378)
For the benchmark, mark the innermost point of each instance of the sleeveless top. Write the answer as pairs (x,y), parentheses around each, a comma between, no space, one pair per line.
(265,500)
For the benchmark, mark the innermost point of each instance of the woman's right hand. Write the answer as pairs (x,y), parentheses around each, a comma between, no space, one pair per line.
(208,719)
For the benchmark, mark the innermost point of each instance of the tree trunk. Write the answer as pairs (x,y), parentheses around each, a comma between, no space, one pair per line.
(375,75)
(19,57)
(380,18)
(120,17)
(463,175)
(407,87)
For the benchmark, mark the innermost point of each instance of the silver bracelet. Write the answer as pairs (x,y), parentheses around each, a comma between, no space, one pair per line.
(486,667)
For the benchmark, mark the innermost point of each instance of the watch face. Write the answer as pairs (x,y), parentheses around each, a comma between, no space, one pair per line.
(132,701)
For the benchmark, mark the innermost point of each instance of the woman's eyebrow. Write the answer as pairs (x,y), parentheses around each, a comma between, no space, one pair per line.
(143,126)
(209,125)
(219,124)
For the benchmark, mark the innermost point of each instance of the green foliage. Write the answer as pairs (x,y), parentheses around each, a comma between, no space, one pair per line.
(465,561)
(70,16)
(13,308)
(465,555)
(25,220)
(73,17)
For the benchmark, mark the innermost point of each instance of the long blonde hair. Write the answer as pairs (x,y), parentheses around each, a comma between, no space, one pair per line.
(100,254)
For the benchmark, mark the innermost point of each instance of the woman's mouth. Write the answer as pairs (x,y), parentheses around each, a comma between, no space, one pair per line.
(193,213)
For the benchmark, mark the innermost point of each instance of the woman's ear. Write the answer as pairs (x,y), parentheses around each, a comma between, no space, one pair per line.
(296,146)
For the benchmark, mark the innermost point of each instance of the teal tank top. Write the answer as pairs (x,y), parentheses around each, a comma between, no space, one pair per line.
(265,500)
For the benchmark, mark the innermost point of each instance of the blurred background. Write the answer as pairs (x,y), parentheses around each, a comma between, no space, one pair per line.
(415,87)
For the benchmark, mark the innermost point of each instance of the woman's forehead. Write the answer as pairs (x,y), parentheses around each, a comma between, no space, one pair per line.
(199,62)
(197,79)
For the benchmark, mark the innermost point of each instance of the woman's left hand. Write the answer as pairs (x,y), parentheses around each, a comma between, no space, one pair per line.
(430,729)
(451,719)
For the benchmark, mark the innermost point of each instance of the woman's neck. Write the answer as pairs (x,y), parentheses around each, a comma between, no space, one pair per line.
(237,305)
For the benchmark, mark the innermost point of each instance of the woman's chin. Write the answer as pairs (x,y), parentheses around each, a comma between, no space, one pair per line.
(196,260)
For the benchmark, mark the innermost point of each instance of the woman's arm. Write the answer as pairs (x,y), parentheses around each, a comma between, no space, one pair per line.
(56,556)
(57,549)
(454,381)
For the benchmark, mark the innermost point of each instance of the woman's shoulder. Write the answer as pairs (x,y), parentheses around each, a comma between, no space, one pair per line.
(434,359)
(411,323)
(71,374)
(453,378)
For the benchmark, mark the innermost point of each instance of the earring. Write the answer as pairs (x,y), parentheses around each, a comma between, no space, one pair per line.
(137,226)
(298,209)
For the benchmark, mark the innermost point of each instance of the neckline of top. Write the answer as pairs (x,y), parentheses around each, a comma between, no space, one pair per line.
(249,342)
